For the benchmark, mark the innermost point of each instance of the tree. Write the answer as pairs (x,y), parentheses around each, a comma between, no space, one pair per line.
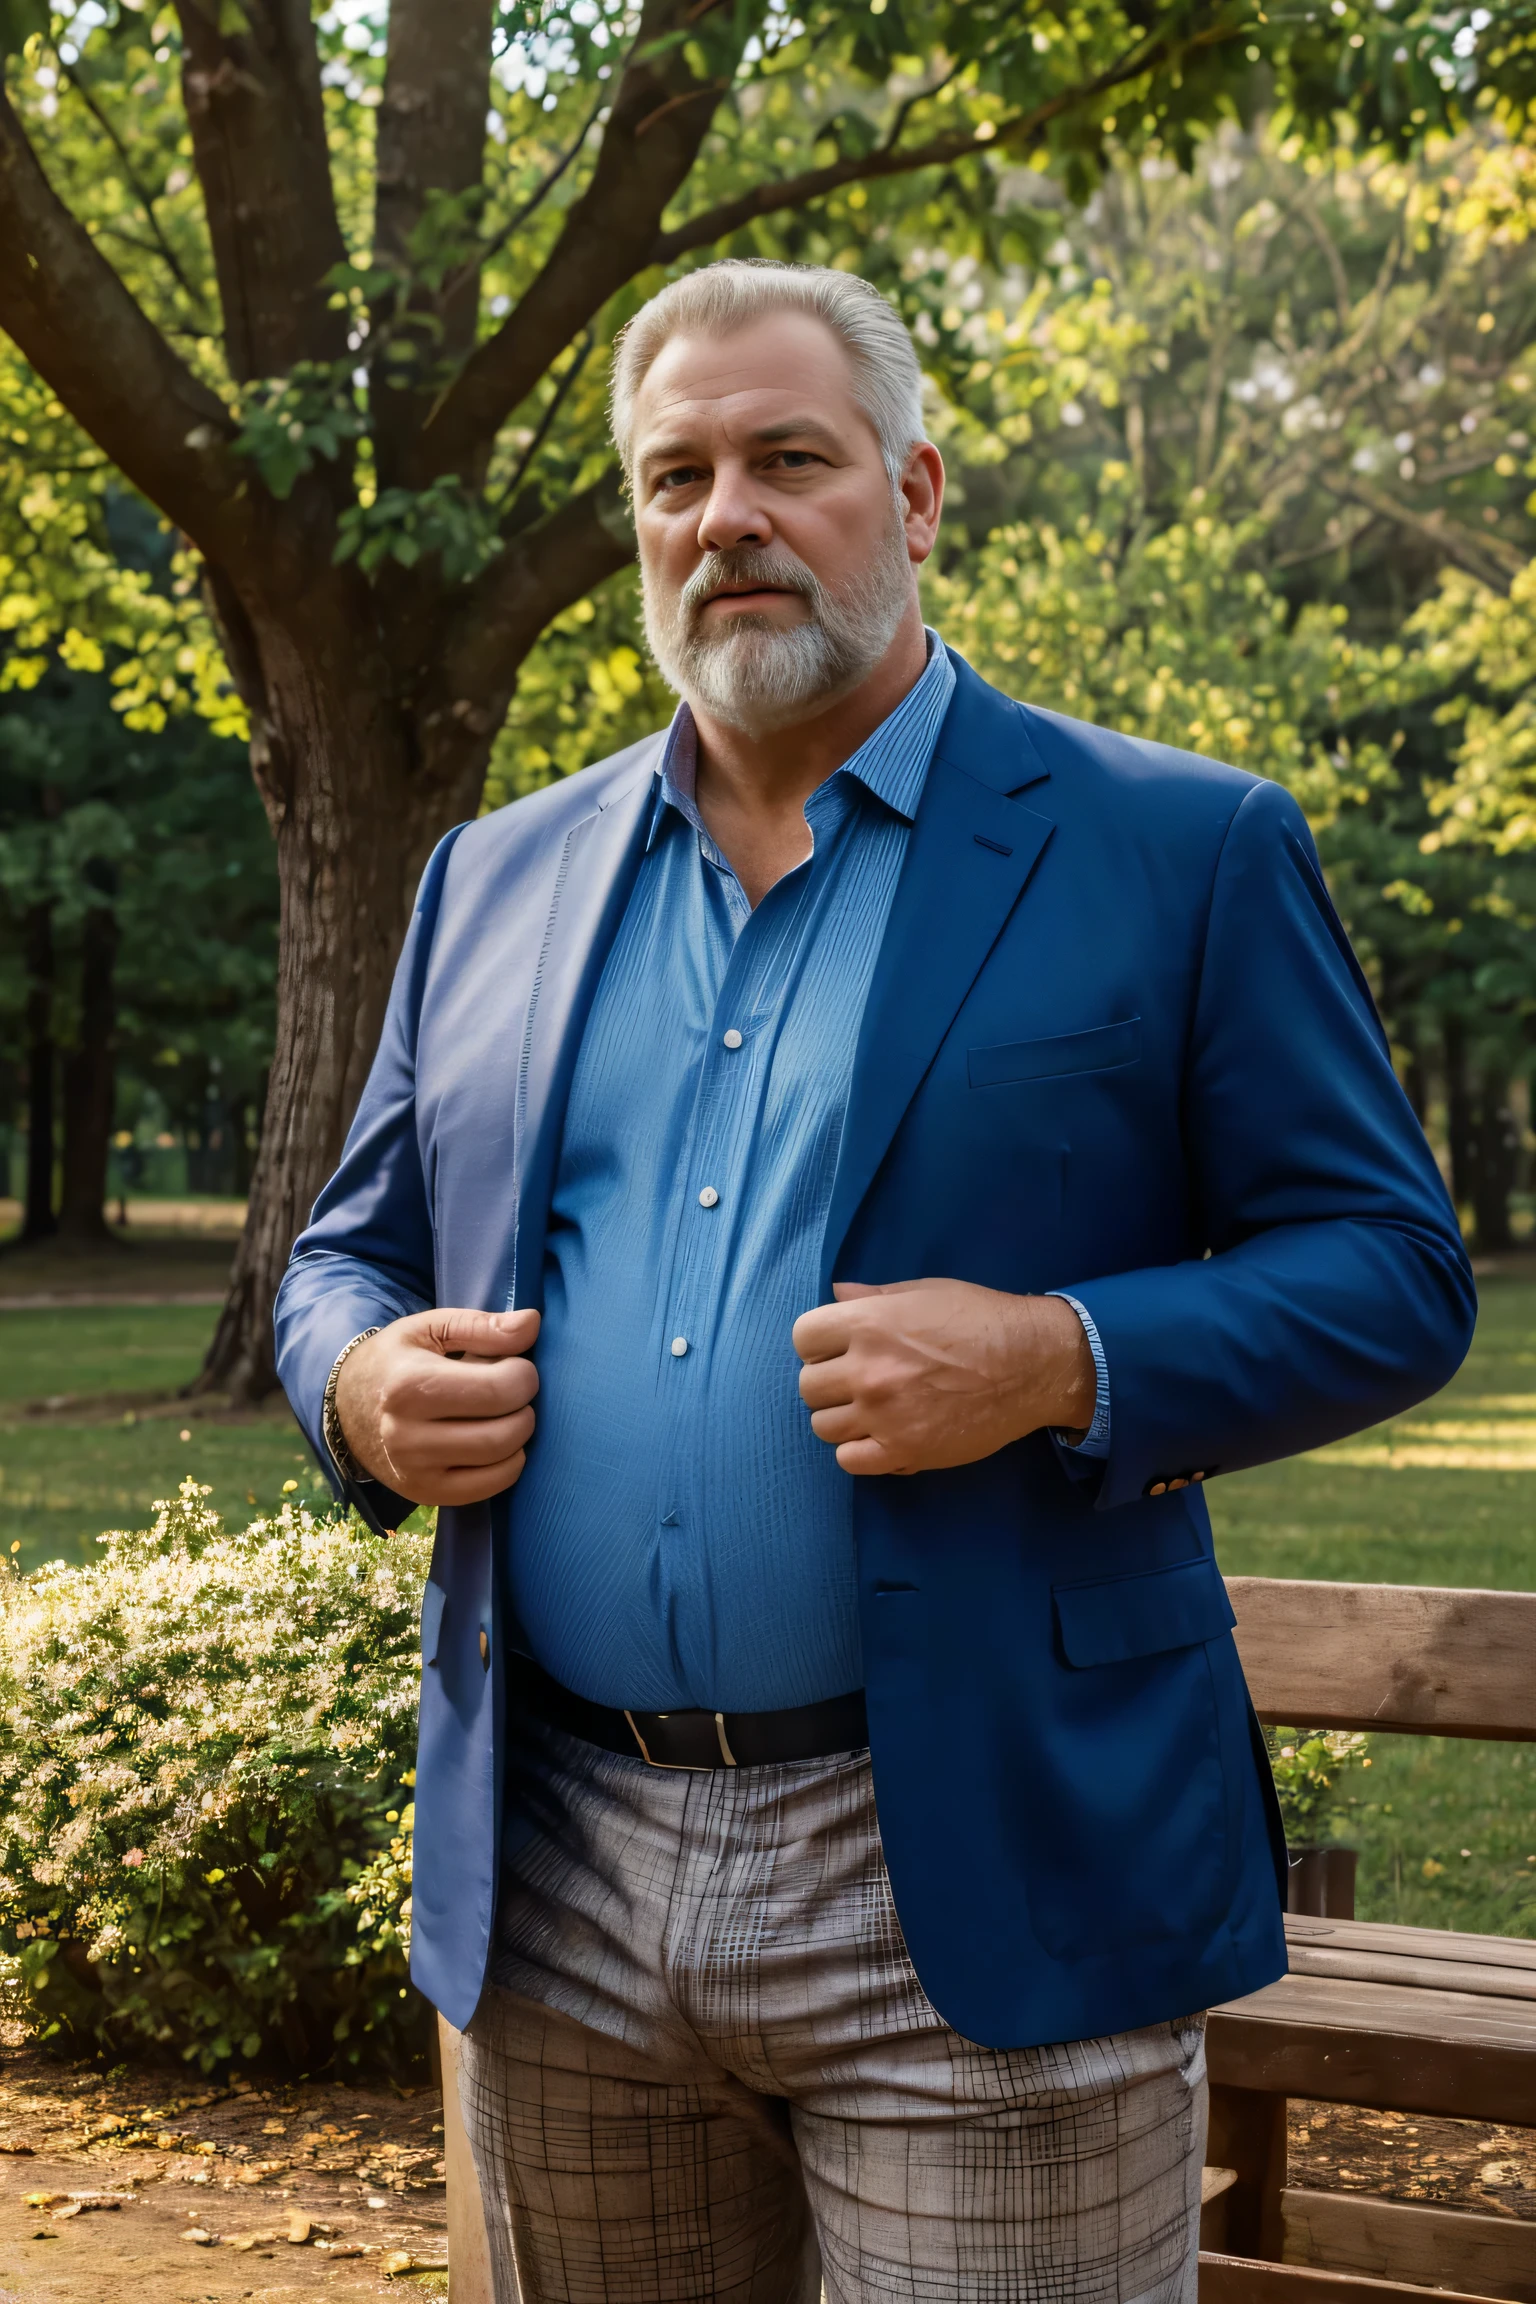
(349,340)
(138,930)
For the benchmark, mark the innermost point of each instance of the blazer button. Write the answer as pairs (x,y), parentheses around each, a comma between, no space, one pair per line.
(1197,1476)
(485,1648)
(1157,1488)
(1179,1483)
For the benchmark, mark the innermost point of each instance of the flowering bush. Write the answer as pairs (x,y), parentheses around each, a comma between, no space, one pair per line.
(1309,1766)
(206,1744)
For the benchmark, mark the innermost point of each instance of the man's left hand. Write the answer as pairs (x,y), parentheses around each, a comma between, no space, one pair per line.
(928,1373)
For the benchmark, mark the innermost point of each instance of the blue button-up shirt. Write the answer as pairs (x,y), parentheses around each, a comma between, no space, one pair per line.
(680,1537)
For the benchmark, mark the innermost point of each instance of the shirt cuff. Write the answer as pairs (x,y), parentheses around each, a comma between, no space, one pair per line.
(1095,1441)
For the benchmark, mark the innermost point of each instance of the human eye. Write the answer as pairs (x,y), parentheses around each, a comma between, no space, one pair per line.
(795,459)
(675,477)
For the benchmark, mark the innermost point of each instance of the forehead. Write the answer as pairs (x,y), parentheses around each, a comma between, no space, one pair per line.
(780,365)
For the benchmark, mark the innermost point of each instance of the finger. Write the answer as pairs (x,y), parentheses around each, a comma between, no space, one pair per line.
(865,1456)
(430,1388)
(826,1383)
(458,1445)
(836,1425)
(486,1335)
(822,1333)
(468,1487)
(846,1290)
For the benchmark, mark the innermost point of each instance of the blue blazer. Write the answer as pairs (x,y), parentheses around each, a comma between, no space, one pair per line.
(1116,1043)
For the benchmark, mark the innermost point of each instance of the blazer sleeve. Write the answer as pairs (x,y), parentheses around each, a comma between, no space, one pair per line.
(1334,1290)
(366,1256)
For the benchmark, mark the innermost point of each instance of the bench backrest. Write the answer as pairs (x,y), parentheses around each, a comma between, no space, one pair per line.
(1416,1659)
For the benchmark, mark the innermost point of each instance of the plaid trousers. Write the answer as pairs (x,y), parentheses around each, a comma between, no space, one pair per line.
(704,2072)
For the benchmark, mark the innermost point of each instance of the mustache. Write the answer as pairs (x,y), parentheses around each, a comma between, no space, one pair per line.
(748,564)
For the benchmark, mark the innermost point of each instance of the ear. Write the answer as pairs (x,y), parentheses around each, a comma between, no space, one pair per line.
(922,493)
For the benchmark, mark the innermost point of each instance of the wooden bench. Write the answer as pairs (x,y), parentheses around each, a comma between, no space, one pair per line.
(1400,2019)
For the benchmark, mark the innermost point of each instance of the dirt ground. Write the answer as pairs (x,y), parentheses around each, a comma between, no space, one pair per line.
(145,2188)
(1402,2156)
(338,2191)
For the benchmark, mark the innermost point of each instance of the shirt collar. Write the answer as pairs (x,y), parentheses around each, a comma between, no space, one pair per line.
(892,762)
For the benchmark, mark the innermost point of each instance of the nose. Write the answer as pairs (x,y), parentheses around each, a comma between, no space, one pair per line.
(733,512)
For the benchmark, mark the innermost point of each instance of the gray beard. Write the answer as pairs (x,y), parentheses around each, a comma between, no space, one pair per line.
(758,677)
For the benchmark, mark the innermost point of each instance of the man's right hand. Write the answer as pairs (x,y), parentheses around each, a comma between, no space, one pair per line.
(437,1405)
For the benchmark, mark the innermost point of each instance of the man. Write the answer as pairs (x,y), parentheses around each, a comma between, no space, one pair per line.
(937,1136)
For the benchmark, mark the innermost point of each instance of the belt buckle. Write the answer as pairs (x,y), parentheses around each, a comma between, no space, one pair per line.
(684,1767)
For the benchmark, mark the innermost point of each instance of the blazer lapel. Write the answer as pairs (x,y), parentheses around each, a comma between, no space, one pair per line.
(970,857)
(597,871)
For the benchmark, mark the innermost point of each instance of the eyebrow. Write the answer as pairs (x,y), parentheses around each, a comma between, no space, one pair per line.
(790,428)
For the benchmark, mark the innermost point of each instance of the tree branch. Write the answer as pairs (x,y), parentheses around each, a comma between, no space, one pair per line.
(431,138)
(258,139)
(549,566)
(71,316)
(139,189)
(1488,558)
(661,114)
(545,426)
(543,188)
(890,159)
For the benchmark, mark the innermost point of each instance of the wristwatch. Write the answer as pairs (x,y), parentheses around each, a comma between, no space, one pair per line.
(330,1423)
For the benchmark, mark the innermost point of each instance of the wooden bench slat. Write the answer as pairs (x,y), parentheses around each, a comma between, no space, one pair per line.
(1421,1659)
(1412,2011)
(1396,2240)
(1363,1965)
(1392,1936)
(1243,2280)
(1402,2048)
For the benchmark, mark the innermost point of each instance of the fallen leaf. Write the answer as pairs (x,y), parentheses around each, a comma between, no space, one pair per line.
(341,2248)
(22,2151)
(397,2261)
(199,2238)
(299,2229)
(245,2240)
(61,2214)
(45,2199)
(274,2128)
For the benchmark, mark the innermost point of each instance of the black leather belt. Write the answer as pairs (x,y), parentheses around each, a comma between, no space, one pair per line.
(699,1739)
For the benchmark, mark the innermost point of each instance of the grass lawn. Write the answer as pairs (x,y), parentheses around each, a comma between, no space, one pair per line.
(89,1438)
(1447,1828)
(1447,1495)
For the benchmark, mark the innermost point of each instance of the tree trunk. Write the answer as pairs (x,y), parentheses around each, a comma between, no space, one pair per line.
(38,1220)
(90,1086)
(1497,1157)
(1458,1112)
(356,815)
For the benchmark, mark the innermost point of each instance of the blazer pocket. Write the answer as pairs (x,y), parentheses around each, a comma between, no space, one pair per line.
(1099,1050)
(1117,1618)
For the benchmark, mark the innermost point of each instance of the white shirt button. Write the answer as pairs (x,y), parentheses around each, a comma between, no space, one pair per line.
(709,1197)
(732,1038)
(679,1346)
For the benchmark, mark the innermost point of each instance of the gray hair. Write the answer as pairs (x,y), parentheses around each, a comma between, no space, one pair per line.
(719,298)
